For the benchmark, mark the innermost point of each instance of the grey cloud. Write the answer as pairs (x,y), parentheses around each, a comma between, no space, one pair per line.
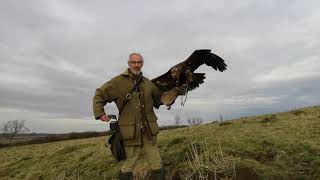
(54,54)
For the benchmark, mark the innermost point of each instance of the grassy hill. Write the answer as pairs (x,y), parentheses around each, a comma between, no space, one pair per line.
(272,146)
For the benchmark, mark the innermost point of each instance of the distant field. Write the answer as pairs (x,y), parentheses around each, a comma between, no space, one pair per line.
(34,138)
(273,146)
(39,138)
(21,138)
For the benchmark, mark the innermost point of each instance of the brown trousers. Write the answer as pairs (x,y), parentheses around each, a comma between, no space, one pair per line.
(141,158)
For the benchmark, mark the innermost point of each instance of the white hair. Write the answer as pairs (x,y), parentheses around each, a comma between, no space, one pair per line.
(135,54)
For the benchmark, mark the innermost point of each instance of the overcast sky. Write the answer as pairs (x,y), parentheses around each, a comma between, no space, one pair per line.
(54,54)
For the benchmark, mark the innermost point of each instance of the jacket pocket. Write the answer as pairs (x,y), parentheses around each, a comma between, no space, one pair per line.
(127,127)
(152,123)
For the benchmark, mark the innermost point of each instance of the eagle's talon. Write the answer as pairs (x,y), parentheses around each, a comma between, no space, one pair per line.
(182,90)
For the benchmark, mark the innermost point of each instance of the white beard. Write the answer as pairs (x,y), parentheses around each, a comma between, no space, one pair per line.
(135,72)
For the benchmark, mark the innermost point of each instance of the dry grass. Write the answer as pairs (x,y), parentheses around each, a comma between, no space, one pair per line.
(203,165)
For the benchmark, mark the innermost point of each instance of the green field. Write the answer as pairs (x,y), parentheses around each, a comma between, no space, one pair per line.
(272,146)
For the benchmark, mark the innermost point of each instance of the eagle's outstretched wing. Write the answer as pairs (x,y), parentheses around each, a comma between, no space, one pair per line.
(185,71)
(204,56)
(182,75)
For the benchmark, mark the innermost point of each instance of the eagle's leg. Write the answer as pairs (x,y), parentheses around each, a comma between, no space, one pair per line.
(184,88)
(189,76)
(183,101)
(184,91)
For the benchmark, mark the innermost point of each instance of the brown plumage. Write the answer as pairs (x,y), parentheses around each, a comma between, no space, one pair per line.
(183,75)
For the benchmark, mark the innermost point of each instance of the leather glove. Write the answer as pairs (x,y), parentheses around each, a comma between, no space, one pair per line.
(168,97)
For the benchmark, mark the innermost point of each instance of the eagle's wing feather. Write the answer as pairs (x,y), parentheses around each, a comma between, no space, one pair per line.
(204,56)
(164,82)
(198,78)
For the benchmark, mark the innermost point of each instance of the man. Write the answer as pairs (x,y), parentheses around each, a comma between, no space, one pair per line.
(137,121)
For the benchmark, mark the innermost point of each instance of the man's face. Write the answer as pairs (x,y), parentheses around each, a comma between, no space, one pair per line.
(135,64)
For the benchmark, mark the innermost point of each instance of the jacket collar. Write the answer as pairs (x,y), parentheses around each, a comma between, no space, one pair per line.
(126,72)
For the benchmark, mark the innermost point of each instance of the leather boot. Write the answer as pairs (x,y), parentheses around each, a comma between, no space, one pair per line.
(158,174)
(125,176)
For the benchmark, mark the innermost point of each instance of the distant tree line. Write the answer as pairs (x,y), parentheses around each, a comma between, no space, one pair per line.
(17,128)
(192,121)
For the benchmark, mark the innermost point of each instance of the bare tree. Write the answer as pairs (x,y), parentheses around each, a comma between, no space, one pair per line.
(177,120)
(220,118)
(12,128)
(195,121)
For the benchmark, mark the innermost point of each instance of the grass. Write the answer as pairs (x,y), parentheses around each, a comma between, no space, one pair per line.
(273,146)
(201,164)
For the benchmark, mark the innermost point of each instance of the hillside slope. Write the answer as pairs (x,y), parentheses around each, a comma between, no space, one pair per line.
(273,146)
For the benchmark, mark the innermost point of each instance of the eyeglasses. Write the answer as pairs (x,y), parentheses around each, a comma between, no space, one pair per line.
(136,62)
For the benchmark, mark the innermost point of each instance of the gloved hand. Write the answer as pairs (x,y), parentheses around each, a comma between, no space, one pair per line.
(168,97)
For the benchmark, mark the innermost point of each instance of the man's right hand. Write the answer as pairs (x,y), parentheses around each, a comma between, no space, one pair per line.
(105,118)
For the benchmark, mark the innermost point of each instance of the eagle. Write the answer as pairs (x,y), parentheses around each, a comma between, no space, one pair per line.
(183,74)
